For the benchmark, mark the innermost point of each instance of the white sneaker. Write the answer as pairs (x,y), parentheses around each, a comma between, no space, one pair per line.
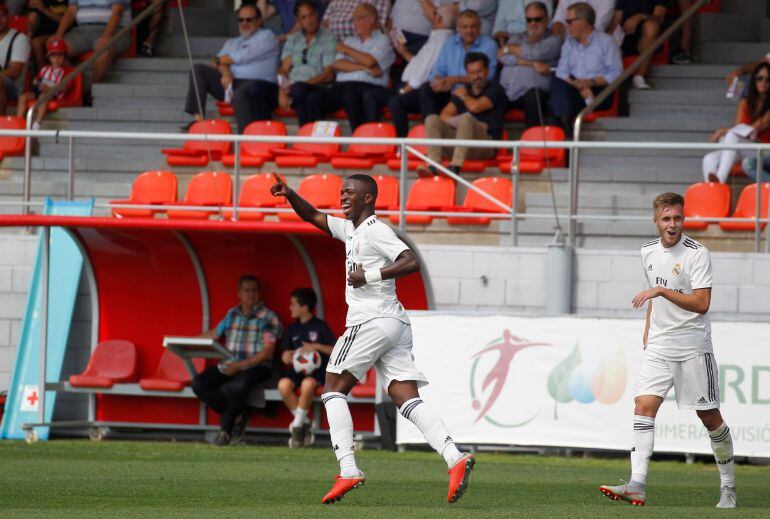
(727,498)
(639,83)
(36,125)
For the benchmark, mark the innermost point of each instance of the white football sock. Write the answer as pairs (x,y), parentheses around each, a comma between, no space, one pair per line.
(643,442)
(300,417)
(341,430)
(722,445)
(432,427)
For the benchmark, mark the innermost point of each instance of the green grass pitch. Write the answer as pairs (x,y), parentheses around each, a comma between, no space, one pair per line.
(115,479)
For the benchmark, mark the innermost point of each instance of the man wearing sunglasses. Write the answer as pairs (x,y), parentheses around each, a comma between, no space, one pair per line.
(246,66)
(527,59)
(510,19)
(604,12)
(306,61)
(590,60)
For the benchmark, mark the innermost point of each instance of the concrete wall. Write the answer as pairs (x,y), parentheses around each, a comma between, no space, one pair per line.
(486,279)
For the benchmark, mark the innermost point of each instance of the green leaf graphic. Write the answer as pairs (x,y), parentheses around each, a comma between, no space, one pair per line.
(558,379)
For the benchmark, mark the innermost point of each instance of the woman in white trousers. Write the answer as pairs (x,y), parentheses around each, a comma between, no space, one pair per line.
(753,110)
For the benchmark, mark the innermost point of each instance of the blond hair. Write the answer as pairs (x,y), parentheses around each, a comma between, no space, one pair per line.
(667,200)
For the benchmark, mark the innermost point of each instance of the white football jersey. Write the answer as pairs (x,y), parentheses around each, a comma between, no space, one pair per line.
(677,334)
(374,245)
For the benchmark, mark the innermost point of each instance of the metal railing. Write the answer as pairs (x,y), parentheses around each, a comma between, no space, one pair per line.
(407,148)
(608,91)
(64,83)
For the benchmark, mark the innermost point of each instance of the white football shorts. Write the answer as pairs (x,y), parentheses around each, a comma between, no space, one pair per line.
(384,343)
(695,381)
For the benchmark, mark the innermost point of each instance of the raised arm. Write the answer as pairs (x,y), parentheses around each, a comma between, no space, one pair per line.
(301,206)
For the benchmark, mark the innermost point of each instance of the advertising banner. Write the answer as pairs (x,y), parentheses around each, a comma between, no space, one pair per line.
(569,382)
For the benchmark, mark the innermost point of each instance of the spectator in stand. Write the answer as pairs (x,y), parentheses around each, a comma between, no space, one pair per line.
(307,333)
(476,111)
(339,17)
(527,59)
(745,70)
(250,331)
(307,61)
(49,76)
(362,65)
(640,21)
(14,51)
(287,10)
(604,12)
(415,19)
(752,122)
(683,57)
(150,27)
(749,165)
(486,9)
(91,24)
(243,72)
(43,17)
(449,70)
(590,60)
(406,98)
(511,18)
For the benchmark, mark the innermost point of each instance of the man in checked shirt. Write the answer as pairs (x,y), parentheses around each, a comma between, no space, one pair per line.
(338,17)
(250,331)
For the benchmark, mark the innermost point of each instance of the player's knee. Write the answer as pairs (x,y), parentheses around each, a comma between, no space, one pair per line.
(711,418)
(285,386)
(308,385)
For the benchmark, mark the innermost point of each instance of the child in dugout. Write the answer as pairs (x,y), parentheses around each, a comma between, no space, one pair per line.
(48,77)
(307,333)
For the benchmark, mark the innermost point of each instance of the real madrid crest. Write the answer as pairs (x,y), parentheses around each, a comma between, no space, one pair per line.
(677,269)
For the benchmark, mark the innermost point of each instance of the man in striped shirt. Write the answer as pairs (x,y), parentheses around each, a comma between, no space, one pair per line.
(97,22)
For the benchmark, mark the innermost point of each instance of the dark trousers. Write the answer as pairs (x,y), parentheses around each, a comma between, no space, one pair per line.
(348,95)
(432,102)
(400,106)
(227,395)
(533,103)
(566,102)
(300,93)
(414,41)
(256,102)
(374,101)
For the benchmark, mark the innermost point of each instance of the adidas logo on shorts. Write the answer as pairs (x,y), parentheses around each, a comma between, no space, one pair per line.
(702,400)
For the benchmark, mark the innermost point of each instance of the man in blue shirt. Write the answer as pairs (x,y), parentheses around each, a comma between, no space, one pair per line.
(363,64)
(244,72)
(449,70)
(307,334)
(590,60)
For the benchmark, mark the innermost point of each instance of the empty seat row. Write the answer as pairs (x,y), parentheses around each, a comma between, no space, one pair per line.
(214,189)
(363,156)
(713,200)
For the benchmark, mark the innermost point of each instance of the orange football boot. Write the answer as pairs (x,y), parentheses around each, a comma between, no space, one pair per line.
(458,477)
(341,487)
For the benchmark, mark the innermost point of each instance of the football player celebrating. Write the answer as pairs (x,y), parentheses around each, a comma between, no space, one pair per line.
(677,349)
(378,332)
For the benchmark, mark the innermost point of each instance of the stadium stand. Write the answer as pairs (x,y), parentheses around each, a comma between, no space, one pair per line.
(254,154)
(499,187)
(255,193)
(111,362)
(365,156)
(321,190)
(307,155)
(428,194)
(208,188)
(11,146)
(201,152)
(747,208)
(706,199)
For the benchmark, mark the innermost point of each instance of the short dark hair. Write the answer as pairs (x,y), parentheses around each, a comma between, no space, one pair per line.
(303,3)
(584,11)
(368,180)
(473,57)
(248,3)
(667,200)
(305,297)
(537,5)
(249,278)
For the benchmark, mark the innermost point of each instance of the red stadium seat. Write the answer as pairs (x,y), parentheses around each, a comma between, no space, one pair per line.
(255,192)
(306,155)
(747,208)
(149,188)
(321,190)
(367,388)
(534,160)
(428,194)
(514,115)
(11,146)
(499,187)
(478,166)
(705,199)
(612,111)
(415,132)
(365,156)
(171,375)
(210,188)
(225,109)
(254,154)
(112,362)
(659,58)
(198,153)
(387,192)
